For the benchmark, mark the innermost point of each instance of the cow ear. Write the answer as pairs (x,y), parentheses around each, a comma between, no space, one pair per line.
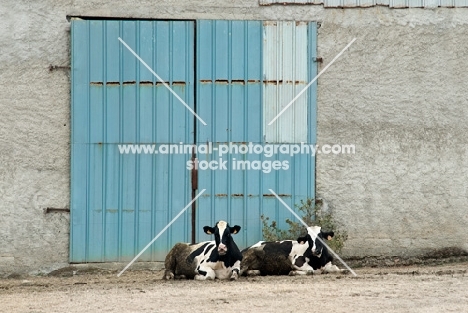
(235,229)
(328,235)
(208,230)
(302,240)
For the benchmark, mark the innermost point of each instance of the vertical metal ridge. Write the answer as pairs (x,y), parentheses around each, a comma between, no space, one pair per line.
(246,72)
(72,141)
(259,190)
(171,132)
(169,193)
(88,151)
(171,61)
(104,146)
(190,120)
(193,236)
(279,56)
(73,112)
(153,217)
(154,200)
(120,187)
(154,90)
(213,77)
(246,132)
(229,115)
(137,140)
(294,118)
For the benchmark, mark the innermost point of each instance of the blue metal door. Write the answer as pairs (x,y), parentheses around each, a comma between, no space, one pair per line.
(120,201)
(247,71)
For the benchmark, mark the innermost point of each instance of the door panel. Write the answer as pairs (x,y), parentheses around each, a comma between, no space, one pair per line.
(246,72)
(119,202)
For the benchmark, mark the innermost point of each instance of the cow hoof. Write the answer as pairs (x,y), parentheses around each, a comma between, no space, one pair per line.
(168,275)
(345,272)
(253,273)
(296,273)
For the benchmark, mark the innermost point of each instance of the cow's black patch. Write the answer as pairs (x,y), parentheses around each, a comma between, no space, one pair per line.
(300,261)
(197,252)
(235,254)
(230,258)
(282,248)
(302,240)
(210,246)
(202,272)
(273,258)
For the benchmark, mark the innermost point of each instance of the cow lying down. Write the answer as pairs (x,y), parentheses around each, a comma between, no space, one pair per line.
(307,255)
(220,258)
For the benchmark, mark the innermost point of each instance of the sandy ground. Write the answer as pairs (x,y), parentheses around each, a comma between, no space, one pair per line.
(397,289)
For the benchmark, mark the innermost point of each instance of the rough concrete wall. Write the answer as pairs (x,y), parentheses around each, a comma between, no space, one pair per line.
(401,96)
(34,136)
(398,94)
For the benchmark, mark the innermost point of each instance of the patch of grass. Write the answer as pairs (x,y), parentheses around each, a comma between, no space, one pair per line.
(312,215)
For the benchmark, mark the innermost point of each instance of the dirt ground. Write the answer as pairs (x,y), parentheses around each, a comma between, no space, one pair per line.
(391,289)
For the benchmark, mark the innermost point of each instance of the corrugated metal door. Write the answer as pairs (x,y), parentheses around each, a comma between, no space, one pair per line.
(120,201)
(247,71)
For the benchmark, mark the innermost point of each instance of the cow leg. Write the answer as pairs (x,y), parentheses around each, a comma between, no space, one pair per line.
(253,273)
(330,268)
(168,275)
(235,271)
(301,272)
(205,273)
(301,267)
(235,274)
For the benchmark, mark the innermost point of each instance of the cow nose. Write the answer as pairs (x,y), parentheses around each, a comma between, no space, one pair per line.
(221,247)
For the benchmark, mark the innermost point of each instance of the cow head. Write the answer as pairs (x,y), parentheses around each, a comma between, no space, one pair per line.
(222,232)
(316,245)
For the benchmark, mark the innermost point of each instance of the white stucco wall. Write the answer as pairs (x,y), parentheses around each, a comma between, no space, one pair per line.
(399,94)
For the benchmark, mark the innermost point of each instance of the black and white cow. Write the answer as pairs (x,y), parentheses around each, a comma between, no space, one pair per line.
(306,255)
(220,258)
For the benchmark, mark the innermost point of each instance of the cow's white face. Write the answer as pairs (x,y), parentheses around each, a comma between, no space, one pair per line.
(222,232)
(221,237)
(313,232)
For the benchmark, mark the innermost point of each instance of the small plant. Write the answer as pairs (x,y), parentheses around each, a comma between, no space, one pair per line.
(312,215)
